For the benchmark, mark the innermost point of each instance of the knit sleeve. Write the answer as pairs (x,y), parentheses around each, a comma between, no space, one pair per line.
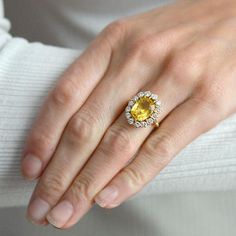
(28,71)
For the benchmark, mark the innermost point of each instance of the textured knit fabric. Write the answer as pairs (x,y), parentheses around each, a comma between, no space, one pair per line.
(29,70)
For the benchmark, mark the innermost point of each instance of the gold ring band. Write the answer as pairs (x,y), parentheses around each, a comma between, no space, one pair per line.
(143,110)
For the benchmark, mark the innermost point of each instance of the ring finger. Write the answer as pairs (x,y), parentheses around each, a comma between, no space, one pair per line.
(82,135)
(119,144)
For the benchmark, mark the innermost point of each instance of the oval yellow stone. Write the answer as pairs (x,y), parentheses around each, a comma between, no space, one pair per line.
(143,108)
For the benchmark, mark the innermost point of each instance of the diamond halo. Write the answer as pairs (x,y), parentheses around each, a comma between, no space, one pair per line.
(143,109)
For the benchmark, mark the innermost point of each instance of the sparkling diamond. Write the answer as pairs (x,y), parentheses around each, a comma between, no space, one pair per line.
(154,115)
(131,103)
(150,121)
(128,115)
(141,94)
(130,120)
(128,109)
(144,124)
(148,93)
(137,124)
(154,96)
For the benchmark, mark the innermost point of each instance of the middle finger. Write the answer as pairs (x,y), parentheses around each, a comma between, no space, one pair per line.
(119,144)
(83,133)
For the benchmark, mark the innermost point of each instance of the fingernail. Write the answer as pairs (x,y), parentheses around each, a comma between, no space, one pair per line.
(106,196)
(37,211)
(31,166)
(113,205)
(60,214)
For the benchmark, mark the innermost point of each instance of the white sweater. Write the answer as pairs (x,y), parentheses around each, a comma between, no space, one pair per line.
(29,70)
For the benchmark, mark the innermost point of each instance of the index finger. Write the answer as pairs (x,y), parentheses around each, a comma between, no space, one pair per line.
(63,101)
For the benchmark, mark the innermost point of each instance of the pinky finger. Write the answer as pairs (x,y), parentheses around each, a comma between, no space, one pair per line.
(185,123)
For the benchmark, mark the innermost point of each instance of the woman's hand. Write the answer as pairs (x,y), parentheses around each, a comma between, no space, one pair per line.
(185,53)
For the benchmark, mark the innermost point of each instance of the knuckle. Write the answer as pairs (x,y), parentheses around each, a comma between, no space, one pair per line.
(80,129)
(159,148)
(142,48)
(177,64)
(40,142)
(116,29)
(137,178)
(82,189)
(117,140)
(209,93)
(206,109)
(52,186)
(147,48)
(185,67)
(138,45)
(208,99)
(63,93)
(85,125)
(214,93)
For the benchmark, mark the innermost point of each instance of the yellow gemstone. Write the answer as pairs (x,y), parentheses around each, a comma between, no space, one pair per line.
(143,108)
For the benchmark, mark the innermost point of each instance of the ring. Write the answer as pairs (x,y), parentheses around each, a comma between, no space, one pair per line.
(143,110)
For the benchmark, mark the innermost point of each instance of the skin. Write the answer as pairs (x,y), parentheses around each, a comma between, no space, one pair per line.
(184,52)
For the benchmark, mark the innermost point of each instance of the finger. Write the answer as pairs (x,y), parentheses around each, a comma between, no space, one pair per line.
(68,95)
(179,128)
(87,127)
(117,147)
(81,136)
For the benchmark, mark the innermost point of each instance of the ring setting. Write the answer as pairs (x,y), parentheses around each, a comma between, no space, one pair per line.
(143,109)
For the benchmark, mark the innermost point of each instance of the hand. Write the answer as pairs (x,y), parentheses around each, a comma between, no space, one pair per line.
(81,143)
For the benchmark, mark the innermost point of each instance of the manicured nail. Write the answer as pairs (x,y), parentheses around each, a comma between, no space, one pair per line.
(60,214)
(31,166)
(37,211)
(113,205)
(106,196)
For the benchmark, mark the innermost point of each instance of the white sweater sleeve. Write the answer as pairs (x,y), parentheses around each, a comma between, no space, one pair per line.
(29,70)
